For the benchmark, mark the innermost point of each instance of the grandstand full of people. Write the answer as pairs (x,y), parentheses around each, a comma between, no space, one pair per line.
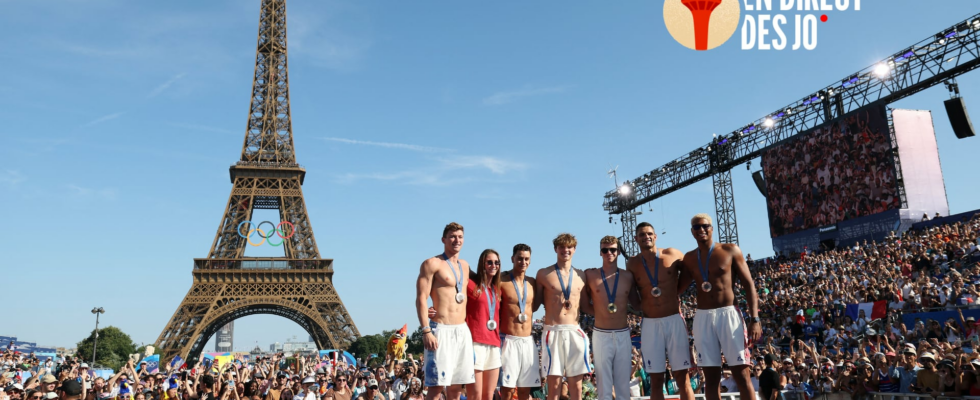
(812,344)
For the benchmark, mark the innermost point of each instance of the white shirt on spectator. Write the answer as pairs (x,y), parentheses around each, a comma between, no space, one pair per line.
(729,384)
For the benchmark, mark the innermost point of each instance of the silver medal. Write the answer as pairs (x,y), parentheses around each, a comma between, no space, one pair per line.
(491,325)
(460,297)
(522,318)
(706,286)
(655,292)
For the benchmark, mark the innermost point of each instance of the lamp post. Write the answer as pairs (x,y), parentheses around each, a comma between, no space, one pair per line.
(96,311)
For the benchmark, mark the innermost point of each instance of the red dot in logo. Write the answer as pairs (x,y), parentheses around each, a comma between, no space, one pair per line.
(823,18)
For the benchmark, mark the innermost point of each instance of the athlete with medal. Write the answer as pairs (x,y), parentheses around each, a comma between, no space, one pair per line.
(611,289)
(565,346)
(663,334)
(447,340)
(482,299)
(519,371)
(718,325)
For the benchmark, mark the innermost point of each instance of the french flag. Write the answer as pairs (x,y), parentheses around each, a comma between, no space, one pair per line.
(872,311)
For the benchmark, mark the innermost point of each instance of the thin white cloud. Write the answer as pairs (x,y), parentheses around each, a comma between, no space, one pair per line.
(104,118)
(197,127)
(318,39)
(389,145)
(84,192)
(496,165)
(11,177)
(166,85)
(447,171)
(500,98)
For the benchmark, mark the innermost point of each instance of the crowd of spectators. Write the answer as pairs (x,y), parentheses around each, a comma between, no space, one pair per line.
(814,347)
(833,174)
(821,351)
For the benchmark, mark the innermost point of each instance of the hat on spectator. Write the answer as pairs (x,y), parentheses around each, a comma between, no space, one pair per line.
(890,354)
(373,384)
(309,379)
(72,387)
(928,355)
(908,350)
(49,379)
(971,319)
(51,396)
(788,360)
(84,365)
(15,386)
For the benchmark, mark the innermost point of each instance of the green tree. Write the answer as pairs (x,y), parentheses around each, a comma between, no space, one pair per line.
(415,345)
(113,348)
(365,345)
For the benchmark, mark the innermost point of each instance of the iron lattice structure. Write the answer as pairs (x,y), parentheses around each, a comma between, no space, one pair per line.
(227,285)
(932,61)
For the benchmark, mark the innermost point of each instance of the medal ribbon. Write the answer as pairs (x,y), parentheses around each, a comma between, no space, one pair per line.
(521,298)
(701,267)
(491,302)
(566,291)
(611,296)
(459,282)
(655,278)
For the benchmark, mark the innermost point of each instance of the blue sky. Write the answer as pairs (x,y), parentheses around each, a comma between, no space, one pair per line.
(122,117)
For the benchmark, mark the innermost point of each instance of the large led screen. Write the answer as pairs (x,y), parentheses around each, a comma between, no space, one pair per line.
(833,173)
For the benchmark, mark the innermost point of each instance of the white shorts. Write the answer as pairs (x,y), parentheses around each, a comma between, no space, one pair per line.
(452,362)
(663,339)
(519,363)
(566,351)
(485,357)
(721,331)
(613,362)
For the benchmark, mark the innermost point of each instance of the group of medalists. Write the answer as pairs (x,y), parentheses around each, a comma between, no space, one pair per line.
(480,323)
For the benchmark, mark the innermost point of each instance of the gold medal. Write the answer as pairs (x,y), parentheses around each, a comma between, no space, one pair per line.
(612,308)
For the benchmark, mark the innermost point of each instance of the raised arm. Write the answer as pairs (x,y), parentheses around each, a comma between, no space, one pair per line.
(751,296)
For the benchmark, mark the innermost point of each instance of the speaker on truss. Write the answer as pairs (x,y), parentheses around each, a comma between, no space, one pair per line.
(958,118)
(760,182)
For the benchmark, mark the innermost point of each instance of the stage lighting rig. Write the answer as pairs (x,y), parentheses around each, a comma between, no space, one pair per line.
(915,68)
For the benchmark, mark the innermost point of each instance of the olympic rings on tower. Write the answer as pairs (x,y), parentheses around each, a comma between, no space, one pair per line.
(276,229)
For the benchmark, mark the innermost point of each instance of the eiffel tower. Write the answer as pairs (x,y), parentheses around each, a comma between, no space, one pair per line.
(227,285)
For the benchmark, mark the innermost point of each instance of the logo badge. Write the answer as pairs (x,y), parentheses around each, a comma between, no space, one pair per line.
(701,24)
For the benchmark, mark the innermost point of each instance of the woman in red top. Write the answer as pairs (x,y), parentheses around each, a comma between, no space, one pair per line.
(482,317)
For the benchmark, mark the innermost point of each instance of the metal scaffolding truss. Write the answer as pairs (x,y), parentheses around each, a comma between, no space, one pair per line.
(940,57)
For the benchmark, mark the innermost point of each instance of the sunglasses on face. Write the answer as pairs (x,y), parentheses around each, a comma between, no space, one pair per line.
(492,262)
(609,250)
(698,227)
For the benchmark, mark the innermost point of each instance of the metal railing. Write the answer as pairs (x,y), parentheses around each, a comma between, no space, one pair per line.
(262,264)
(790,395)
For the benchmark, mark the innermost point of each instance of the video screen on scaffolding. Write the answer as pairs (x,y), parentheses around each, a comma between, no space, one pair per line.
(833,173)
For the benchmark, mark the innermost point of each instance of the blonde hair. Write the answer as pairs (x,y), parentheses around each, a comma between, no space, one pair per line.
(609,240)
(701,216)
(565,239)
(452,227)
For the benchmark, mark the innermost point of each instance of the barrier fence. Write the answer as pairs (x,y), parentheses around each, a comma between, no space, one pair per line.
(788,395)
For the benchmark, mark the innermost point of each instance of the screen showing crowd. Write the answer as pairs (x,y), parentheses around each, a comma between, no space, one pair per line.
(833,173)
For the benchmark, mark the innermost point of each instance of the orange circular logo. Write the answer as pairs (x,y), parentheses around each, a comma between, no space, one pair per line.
(701,24)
